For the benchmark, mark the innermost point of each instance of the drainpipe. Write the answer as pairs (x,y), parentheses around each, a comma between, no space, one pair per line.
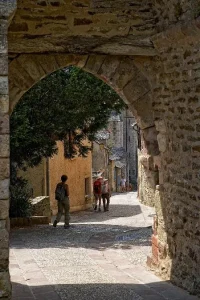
(47,178)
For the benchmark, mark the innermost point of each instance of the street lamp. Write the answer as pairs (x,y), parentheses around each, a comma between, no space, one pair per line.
(137,129)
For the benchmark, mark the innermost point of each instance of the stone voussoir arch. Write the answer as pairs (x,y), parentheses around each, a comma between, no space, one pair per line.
(120,72)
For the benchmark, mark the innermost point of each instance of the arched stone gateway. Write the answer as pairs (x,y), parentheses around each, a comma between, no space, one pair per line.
(148,51)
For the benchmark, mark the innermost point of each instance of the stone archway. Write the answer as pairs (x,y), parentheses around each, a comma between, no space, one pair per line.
(120,72)
(172,92)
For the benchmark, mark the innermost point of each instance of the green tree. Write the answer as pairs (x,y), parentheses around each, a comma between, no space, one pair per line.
(69,105)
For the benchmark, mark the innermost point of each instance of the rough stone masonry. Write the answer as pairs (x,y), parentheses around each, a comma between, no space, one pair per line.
(148,51)
(6,10)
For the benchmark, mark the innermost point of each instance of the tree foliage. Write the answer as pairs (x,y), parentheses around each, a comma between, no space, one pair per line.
(20,203)
(69,105)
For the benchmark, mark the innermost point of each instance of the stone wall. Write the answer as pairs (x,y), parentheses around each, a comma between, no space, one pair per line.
(100,158)
(177,113)
(173,11)
(130,144)
(147,179)
(162,91)
(41,207)
(6,9)
(96,26)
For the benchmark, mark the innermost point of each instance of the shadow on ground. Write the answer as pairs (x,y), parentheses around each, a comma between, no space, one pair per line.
(95,236)
(116,211)
(93,291)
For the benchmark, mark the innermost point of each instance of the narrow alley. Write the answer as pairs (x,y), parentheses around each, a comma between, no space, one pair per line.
(101,256)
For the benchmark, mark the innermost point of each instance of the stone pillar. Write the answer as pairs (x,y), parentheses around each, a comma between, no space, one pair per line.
(148,176)
(148,179)
(6,10)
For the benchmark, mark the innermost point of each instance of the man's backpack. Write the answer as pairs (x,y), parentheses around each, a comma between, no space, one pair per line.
(104,188)
(60,192)
(97,187)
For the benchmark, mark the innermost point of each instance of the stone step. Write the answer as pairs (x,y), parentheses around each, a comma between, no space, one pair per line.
(29,221)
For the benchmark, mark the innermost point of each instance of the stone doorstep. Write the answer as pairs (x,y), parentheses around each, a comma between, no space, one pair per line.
(29,221)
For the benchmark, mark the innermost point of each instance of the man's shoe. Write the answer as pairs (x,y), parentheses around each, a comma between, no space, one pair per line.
(95,208)
(55,223)
(99,208)
(66,226)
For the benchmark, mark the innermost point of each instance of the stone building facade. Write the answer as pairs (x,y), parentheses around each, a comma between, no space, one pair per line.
(130,144)
(149,53)
(121,140)
(100,158)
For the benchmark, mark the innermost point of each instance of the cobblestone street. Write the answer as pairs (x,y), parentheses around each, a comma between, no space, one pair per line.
(101,256)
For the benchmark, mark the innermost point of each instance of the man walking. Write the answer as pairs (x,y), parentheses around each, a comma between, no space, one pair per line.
(97,192)
(62,196)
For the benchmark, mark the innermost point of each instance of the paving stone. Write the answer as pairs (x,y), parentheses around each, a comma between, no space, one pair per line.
(81,264)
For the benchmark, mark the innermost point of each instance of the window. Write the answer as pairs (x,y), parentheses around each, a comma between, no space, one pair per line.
(87,186)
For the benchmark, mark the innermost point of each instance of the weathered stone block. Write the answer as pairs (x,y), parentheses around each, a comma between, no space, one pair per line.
(20,77)
(147,184)
(17,27)
(4,209)
(41,206)
(108,68)
(5,285)
(162,142)
(143,111)
(5,146)
(4,104)
(94,63)
(81,61)
(4,189)
(31,66)
(64,60)
(4,239)
(3,65)
(161,126)
(2,223)
(3,85)
(48,63)
(3,26)
(147,161)
(4,258)
(4,124)
(150,140)
(157,161)
(82,22)
(3,44)
(162,250)
(4,168)
(7,8)
(136,88)
(124,73)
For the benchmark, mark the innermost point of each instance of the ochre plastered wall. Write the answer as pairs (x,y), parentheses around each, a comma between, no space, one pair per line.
(36,179)
(77,170)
